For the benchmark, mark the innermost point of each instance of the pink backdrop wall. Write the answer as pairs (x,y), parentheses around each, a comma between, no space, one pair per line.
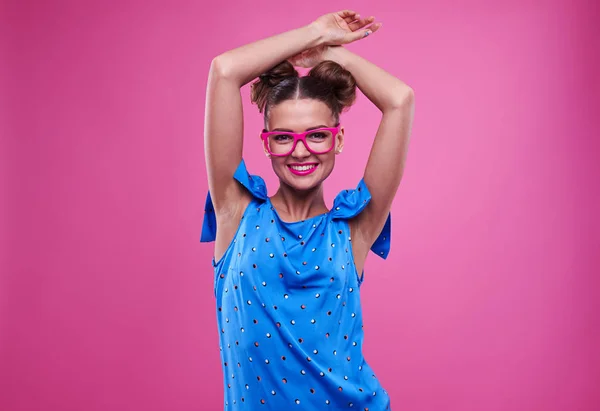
(490,297)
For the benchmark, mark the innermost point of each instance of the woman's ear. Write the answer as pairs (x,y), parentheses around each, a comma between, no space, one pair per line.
(339,141)
(262,143)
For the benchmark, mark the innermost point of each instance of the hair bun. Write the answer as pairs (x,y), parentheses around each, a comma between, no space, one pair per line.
(268,80)
(341,81)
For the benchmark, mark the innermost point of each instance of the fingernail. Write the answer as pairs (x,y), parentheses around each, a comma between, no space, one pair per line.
(367,33)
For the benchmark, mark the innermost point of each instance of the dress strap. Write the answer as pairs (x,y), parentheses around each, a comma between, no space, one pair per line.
(349,203)
(253,183)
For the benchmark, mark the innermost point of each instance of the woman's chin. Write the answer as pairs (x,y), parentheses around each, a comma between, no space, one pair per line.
(303,183)
(306,182)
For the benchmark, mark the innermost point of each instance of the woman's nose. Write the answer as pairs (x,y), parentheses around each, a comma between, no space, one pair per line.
(300,150)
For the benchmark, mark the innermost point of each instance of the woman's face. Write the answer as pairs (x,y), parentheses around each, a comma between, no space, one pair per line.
(299,116)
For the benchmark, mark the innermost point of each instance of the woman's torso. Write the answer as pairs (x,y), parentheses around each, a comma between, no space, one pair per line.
(289,316)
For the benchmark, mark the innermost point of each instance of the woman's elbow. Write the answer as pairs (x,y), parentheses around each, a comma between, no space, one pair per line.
(220,67)
(403,98)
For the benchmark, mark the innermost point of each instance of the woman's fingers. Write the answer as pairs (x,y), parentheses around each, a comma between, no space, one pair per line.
(362,33)
(361,23)
(350,19)
(374,27)
(346,13)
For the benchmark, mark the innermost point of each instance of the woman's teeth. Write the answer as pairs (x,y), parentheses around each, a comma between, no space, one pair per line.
(303,168)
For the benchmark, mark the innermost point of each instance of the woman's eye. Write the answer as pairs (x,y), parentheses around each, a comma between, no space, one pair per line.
(282,137)
(317,135)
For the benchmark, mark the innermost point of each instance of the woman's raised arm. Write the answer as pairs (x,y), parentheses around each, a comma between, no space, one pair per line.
(385,166)
(223,126)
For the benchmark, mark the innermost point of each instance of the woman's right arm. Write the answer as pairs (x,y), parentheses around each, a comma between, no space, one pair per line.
(223,132)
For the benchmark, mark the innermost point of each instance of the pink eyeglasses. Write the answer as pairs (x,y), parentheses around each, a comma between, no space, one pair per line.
(316,141)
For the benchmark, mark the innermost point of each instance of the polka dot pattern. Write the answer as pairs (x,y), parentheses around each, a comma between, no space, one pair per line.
(290,327)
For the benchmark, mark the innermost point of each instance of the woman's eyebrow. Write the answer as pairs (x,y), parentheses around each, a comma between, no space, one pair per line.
(308,129)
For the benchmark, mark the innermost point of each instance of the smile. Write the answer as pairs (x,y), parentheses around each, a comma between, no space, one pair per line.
(302,170)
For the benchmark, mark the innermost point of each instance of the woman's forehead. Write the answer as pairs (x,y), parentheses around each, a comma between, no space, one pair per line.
(299,115)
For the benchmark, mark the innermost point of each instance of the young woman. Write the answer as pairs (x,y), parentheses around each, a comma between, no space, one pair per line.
(287,268)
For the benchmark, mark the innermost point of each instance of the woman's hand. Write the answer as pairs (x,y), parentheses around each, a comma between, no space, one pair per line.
(338,28)
(344,27)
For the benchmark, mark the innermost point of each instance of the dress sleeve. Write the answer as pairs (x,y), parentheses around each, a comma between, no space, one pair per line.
(349,203)
(254,184)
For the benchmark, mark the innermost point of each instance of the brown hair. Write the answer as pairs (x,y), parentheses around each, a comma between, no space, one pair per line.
(327,82)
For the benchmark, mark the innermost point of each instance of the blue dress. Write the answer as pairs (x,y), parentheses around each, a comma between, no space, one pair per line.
(288,308)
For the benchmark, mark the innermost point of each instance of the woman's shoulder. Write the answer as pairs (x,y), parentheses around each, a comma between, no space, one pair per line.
(255,184)
(349,203)
(256,189)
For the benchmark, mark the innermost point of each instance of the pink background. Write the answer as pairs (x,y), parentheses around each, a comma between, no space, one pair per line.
(490,297)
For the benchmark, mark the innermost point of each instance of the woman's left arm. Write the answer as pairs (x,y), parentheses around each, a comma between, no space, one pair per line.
(386,161)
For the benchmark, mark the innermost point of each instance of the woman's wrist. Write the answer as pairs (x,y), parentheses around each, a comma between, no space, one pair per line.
(337,54)
(315,34)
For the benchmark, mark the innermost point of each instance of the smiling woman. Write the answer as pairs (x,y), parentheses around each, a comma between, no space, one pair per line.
(287,271)
(318,147)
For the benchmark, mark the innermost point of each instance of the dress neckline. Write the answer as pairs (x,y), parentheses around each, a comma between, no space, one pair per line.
(310,219)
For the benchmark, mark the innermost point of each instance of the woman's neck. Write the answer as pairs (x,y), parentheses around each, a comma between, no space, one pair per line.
(295,205)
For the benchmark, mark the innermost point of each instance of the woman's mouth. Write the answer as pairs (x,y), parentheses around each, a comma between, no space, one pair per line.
(302,169)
